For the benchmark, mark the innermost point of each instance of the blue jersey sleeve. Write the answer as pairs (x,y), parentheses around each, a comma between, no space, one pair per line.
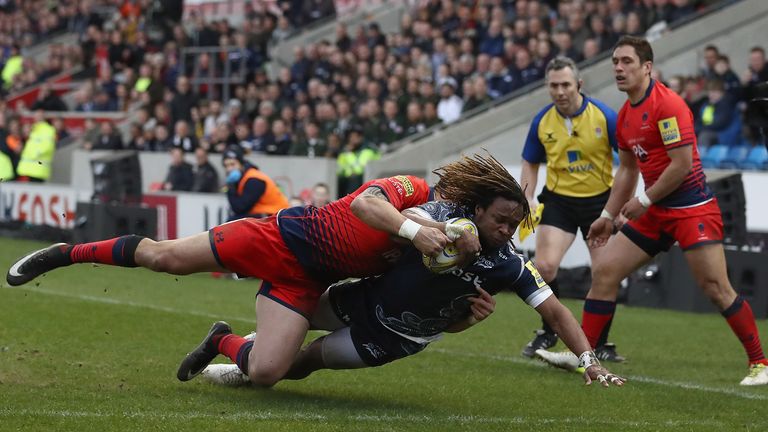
(611,119)
(533,151)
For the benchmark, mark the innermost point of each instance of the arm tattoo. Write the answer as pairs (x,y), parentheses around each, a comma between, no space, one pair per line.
(375,192)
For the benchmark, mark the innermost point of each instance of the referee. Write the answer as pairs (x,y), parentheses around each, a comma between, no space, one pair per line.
(573,137)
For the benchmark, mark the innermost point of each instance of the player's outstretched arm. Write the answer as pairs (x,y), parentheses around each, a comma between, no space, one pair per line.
(373,208)
(566,326)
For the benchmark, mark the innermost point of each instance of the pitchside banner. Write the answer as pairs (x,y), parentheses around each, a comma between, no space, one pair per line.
(40,204)
(178,215)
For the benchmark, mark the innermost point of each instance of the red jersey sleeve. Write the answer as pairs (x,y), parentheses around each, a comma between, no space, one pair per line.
(620,138)
(675,122)
(403,191)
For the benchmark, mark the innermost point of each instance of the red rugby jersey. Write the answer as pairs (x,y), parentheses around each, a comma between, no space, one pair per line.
(333,244)
(662,121)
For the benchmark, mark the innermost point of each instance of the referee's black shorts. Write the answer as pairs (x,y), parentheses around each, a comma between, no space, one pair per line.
(571,213)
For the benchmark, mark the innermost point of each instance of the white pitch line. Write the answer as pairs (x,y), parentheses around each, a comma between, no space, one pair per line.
(112,301)
(325,418)
(638,378)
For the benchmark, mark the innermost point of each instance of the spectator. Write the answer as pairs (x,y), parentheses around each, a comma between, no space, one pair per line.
(312,145)
(250,192)
(162,139)
(48,100)
(757,71)
(711,55)
(108,138)
(8,154)
(262,137)
(180,176)
(393,124)
(321,195)
(720,122)
(206,179)
(39,149)
(492,43)
(352,161)
(413,121)
(183,102)
(182,138)
(527,71)
(501,81)
(313,10)
(283,140)
(430,114)
(724,73)
(450,105)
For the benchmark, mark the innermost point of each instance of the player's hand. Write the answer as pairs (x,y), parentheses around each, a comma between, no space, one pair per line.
(483,305)
(633,209)
(430,241)
(603,376)
(469,248)
(619,222)
(599,232)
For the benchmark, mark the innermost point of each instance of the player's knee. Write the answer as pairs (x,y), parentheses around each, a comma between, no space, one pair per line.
(605,278)
(265,376)
(720,294)
(547,269)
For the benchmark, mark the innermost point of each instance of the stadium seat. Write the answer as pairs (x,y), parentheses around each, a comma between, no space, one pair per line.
(757,159)
(702,151)
(736,155)
(715,155)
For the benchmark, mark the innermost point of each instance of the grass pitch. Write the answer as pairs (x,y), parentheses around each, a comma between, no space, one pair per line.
(96,348)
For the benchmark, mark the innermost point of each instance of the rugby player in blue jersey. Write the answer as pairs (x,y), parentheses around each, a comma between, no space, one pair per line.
(374,321)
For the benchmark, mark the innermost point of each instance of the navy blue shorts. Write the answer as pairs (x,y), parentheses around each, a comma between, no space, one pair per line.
(375,344)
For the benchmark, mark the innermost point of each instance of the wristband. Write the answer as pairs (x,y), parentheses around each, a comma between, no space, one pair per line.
(587,359)
(644,200)
(606,214)
(409,229)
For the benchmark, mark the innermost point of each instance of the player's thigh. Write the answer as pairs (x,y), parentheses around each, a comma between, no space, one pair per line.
(707,263)
(325,317)
(181,256)
(551,245)
(623,257)
(280,332)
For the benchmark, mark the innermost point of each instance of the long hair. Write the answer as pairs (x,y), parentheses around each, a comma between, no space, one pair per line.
(477,181)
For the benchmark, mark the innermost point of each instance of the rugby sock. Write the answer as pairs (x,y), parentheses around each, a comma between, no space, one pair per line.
(742,321)
(556,290)
(596,317)
(118,251)
(237,348)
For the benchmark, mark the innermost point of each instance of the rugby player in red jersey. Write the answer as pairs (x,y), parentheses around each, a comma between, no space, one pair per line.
(656,138)
(297,254)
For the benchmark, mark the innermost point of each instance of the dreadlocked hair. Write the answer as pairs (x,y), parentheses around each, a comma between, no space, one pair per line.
(477,181)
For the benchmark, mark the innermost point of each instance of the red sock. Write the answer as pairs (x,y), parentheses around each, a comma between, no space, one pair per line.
(237,348)
(742,321)
(118,251)
(596,316)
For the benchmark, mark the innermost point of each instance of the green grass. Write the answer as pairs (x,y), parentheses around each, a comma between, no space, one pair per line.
(96,348)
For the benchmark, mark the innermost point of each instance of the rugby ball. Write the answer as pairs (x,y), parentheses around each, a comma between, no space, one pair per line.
(446,260)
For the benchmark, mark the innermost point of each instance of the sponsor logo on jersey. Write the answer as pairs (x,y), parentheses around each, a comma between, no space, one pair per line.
(640,153)
(670,132)
(375,350)
(535,273)
(574,156)
(549,137)
(598,132)
(406,182)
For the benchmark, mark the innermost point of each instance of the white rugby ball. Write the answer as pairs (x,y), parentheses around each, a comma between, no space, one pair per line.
(446,260)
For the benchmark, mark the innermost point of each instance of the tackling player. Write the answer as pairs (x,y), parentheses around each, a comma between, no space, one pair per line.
(378,320)
(296,253)
(656,137)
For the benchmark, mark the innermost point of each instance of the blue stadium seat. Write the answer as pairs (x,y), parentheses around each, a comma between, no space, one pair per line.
(715,155)
(702,151)
(736,155)
(757,159)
